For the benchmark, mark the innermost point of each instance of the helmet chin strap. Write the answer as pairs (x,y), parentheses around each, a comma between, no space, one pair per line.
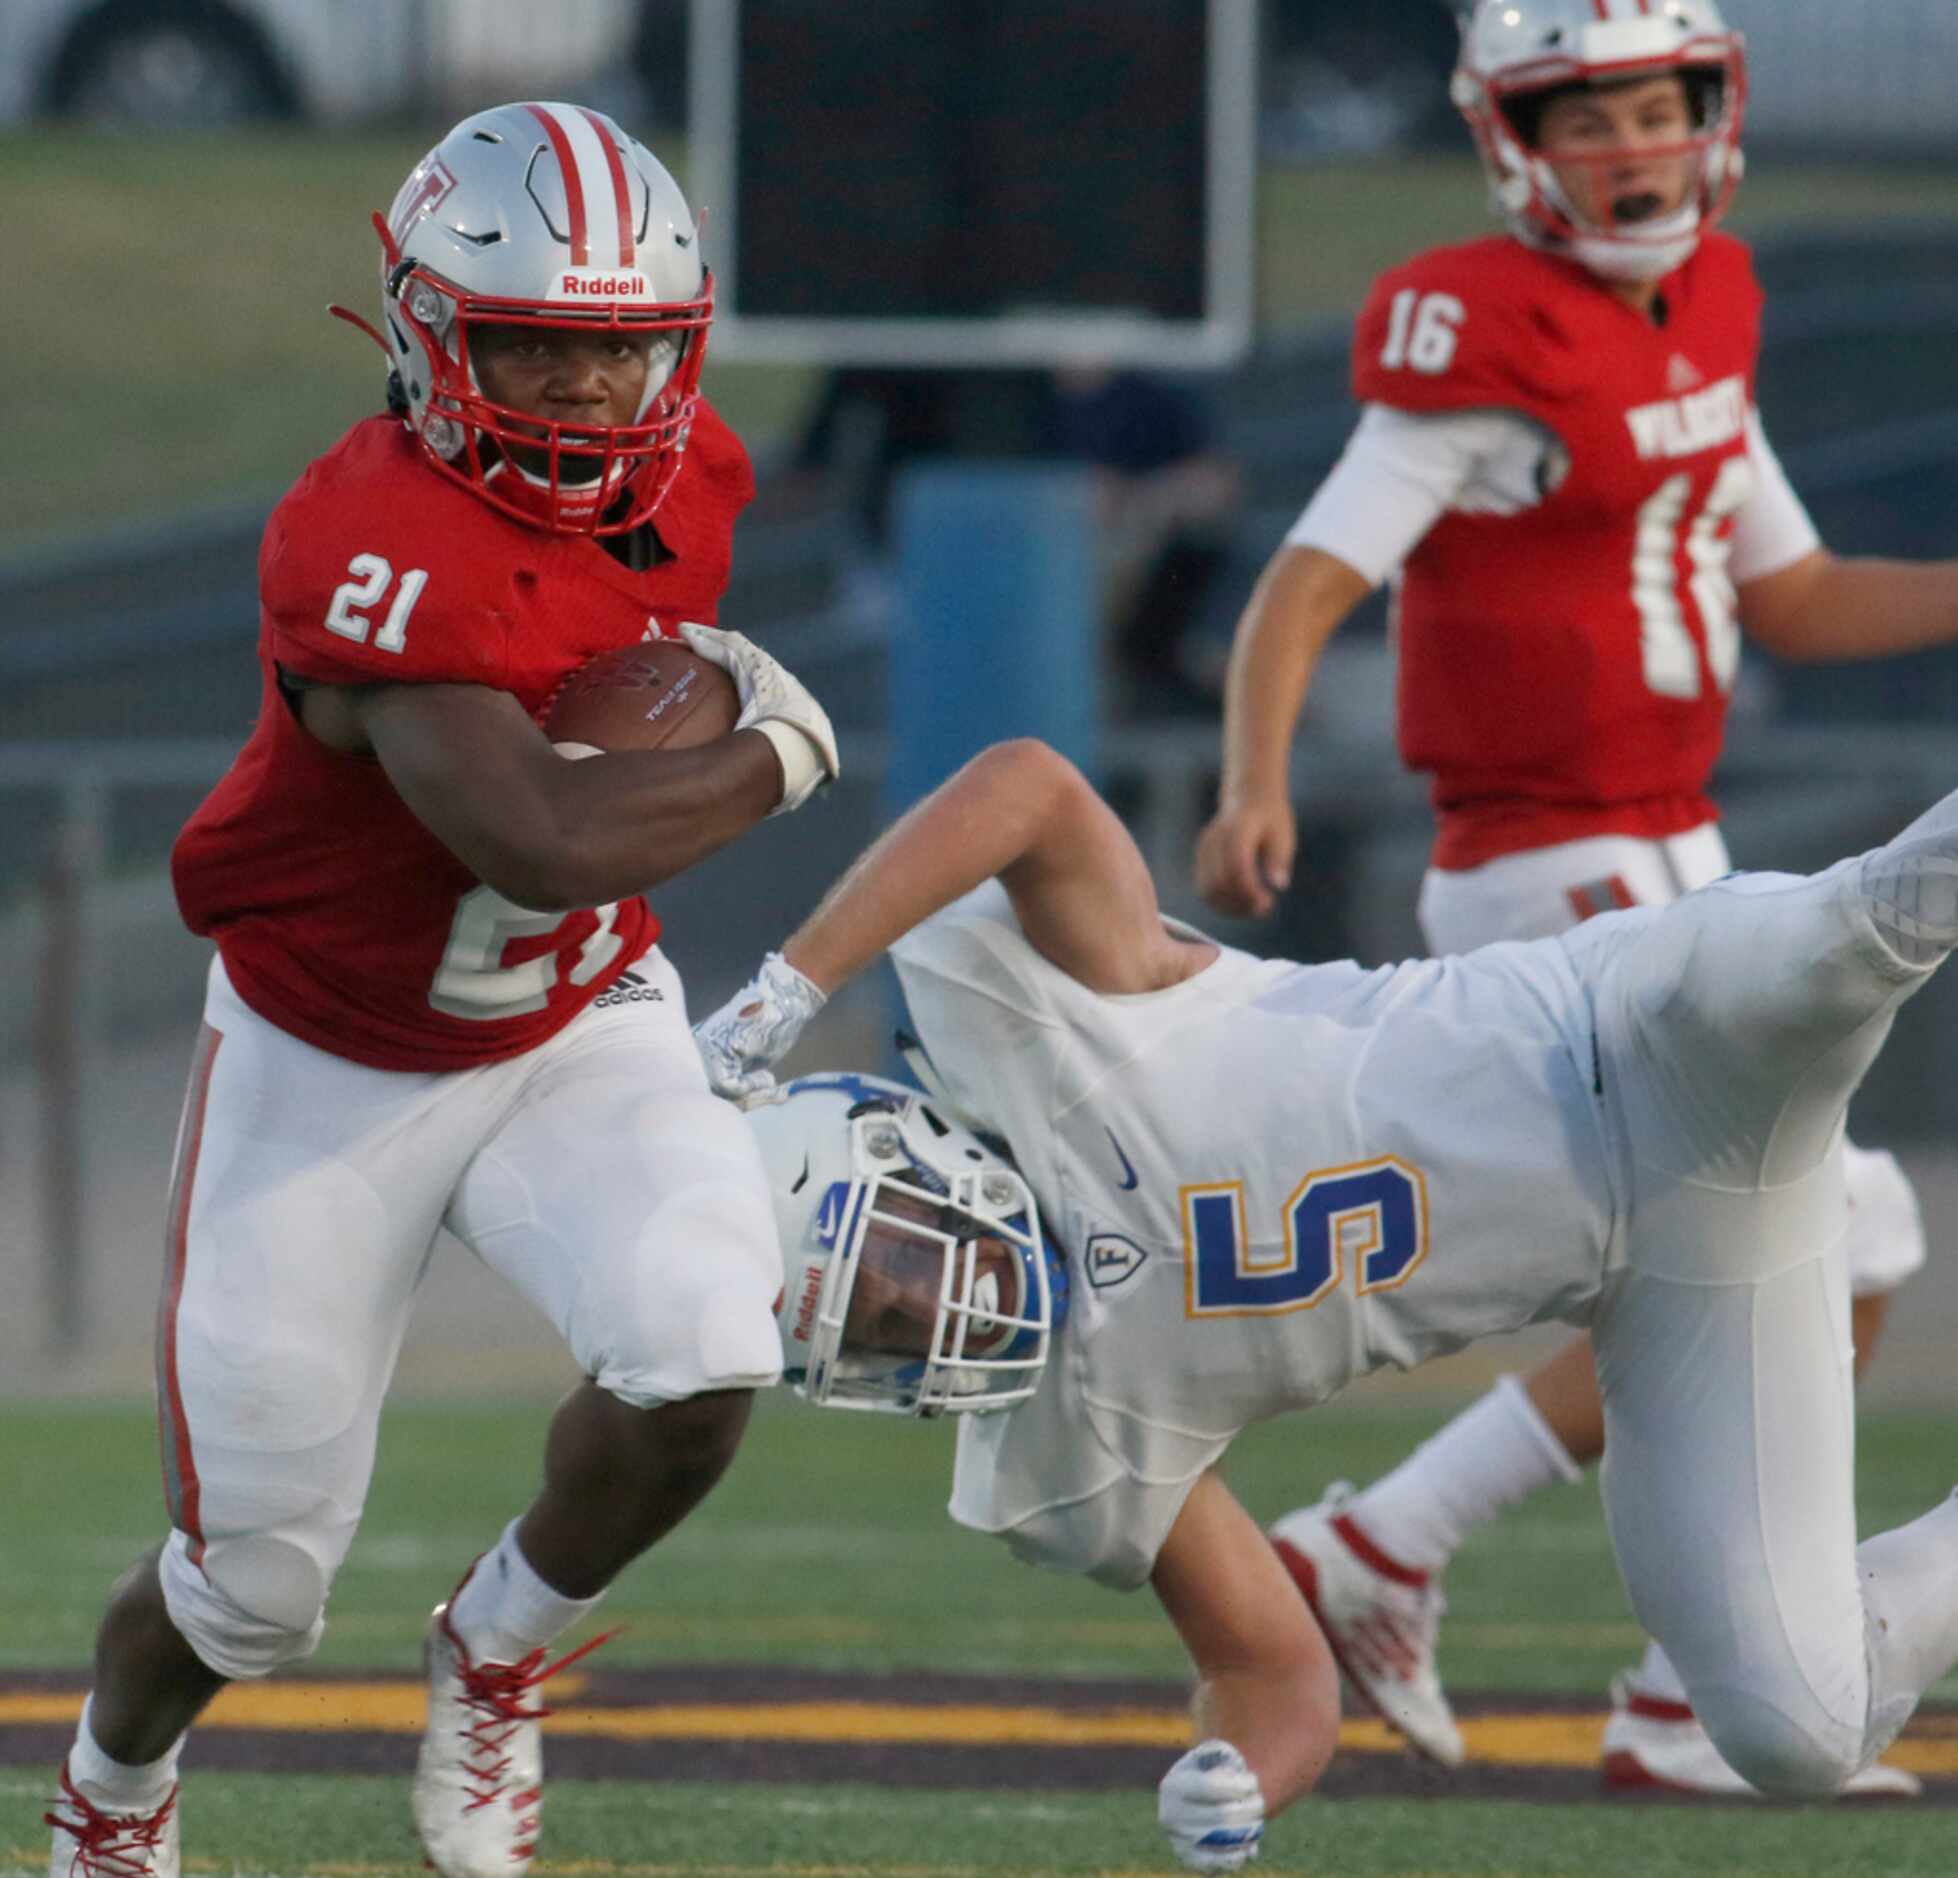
(614,480)
(1662,246)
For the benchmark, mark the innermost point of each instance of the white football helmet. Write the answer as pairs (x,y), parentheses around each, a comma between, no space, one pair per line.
(551,216)
(917,1279)
(1514,52)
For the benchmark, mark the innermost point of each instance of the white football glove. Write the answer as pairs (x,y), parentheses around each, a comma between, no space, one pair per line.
(1211,1806)
(776,703)
(743,1041)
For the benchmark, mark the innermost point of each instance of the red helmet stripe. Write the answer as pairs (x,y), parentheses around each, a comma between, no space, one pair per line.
(574,189)
(620,193)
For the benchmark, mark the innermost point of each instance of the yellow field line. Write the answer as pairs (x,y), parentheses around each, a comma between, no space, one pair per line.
(398,1708)
(1521,1740)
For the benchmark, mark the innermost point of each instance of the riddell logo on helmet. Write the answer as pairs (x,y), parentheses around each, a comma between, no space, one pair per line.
(805,1315)
(593,285)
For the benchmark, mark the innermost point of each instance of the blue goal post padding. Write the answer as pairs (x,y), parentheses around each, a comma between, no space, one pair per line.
(998,630)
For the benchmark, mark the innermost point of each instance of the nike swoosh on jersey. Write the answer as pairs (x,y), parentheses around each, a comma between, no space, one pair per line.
(1128,1166)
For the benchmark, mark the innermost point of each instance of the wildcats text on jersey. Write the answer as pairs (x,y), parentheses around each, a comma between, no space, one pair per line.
(1703,420)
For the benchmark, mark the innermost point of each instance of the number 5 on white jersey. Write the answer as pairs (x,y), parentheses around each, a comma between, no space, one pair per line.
(1373,1214)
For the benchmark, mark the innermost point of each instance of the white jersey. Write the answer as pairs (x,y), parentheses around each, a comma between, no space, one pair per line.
(1268,1180)
(1271,1177)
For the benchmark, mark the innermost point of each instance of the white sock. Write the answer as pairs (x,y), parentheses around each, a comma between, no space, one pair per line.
(1497,1451)
(1910,1595)
(504,1610)
(1657,1678)
(111,1785)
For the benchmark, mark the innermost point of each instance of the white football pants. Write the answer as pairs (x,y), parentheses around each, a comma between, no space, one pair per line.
(1731,1033)
(596,1173)
(1544,891)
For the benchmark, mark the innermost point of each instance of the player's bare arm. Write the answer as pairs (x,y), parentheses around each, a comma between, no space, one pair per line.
(1018,812)
(548,833)
(1266,1682)
(1826,606)
(1023,813)
(1244,856)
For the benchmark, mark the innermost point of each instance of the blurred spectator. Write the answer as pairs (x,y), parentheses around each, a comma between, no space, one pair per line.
(1166,496)
(869,421)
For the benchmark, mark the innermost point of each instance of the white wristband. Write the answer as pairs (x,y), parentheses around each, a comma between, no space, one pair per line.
(802,768)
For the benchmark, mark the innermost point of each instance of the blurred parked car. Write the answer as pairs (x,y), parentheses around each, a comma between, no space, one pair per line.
(208,62)
(1869,80)
(1851,80)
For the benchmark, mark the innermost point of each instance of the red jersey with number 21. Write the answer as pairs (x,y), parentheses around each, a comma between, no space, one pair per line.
(1564,671)
(339,916)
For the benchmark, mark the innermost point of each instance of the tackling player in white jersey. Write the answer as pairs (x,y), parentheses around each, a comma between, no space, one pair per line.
(1561,470)
(1269,1178)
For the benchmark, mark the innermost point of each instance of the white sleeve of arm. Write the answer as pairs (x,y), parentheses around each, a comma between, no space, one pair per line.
(1773,530)
(1400,473)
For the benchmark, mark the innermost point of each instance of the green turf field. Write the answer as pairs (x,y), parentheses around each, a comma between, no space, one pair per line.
(171,296)
(244,1825)
(826,1547)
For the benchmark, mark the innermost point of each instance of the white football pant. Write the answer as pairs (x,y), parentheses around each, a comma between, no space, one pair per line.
(1544,891)
(596,1173)
(1731,1034)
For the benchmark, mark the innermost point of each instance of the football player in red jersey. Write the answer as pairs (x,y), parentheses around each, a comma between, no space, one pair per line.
(1560,460)
(419,908)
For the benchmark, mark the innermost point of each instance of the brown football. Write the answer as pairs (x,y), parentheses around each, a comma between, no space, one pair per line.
(658,695)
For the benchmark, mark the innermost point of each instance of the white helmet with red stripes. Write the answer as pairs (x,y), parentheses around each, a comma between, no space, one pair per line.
(1515,53)
(545,215)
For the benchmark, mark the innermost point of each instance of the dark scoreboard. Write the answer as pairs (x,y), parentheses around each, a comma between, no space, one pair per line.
(963,182)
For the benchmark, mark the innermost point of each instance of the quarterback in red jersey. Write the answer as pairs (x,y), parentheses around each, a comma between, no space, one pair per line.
(1560,465)
(418,907)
